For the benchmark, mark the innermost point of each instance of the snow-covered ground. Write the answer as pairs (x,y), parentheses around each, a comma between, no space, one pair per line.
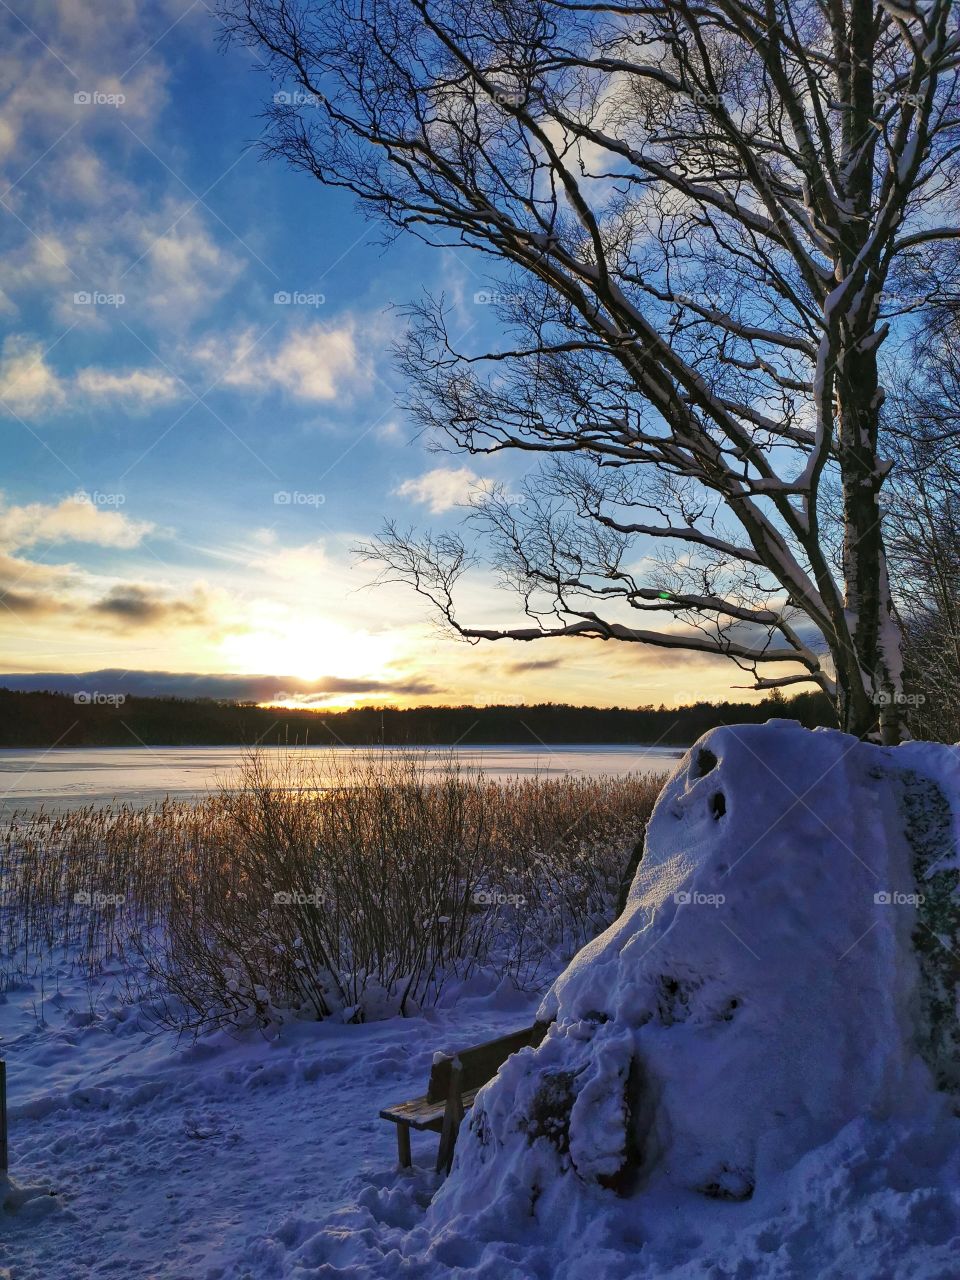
(215,1160)
(738,1082)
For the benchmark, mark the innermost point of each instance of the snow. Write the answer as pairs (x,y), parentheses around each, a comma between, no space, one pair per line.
(216,1160)
(731,1085)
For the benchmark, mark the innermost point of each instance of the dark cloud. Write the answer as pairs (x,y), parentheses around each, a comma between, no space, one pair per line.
(139,606)
(25,603)
(534,664)
(239,688)
(30,590)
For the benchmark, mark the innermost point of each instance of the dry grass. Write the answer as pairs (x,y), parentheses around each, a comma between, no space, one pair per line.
(282,898)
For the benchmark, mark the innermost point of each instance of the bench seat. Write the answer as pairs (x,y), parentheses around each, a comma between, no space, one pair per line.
(421,1114)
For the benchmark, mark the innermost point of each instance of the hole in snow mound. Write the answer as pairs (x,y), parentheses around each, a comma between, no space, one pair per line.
(718,804)
(730,1184)
(705,763)
(729,1009)
(673,999)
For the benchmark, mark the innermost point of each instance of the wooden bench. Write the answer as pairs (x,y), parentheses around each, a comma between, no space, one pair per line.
(454,1081)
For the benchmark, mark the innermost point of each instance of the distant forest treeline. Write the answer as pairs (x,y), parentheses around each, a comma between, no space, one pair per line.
(55,719)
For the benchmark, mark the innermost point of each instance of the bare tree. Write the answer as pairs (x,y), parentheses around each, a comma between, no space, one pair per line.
(922,427)
(925,559)
(709,211)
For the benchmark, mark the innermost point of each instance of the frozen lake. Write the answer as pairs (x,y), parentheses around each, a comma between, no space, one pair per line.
(68,778)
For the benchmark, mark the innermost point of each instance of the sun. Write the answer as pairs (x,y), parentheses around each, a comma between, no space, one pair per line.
(309,651)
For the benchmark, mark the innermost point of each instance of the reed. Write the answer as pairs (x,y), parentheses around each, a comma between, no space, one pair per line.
(362,894)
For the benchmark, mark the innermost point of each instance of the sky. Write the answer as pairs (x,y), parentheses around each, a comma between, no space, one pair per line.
(198,405)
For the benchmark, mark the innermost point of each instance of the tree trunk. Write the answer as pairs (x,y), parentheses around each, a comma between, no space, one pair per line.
(872,686)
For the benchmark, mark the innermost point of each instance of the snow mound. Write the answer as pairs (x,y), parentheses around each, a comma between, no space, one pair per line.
(33,1202)
(761,995)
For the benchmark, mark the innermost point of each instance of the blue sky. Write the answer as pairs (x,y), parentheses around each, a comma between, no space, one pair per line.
(188,459)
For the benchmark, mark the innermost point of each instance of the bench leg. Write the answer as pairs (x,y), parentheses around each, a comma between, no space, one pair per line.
(452,1117)
(447,1139)
(403,1145)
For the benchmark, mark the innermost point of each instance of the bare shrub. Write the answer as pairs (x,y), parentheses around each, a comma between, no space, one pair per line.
(358,895)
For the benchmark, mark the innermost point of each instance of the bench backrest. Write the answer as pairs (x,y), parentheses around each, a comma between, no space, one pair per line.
(481,1062)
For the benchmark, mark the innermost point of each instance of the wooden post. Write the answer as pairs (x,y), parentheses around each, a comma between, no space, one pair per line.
(4,1154)
(403,1145)
(452,1118)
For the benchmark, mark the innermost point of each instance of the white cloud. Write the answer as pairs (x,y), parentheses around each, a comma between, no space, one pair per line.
(135,387)
(187,270)
(8,138)
(315,364)
(74,519)
(89,199)
(88,48)
(39,263)
(28,385)
(441,488)
(164,258)
(319,362)
(307,562)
